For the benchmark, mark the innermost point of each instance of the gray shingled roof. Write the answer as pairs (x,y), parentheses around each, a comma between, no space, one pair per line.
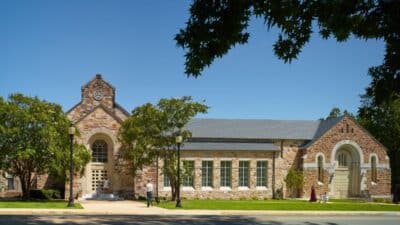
(229,146)
(260,129)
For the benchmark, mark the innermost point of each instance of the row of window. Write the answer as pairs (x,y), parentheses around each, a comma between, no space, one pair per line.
(207,168)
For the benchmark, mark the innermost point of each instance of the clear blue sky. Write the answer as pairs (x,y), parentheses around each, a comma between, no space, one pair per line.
(51,48)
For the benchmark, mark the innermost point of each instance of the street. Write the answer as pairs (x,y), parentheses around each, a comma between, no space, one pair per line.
(187,219)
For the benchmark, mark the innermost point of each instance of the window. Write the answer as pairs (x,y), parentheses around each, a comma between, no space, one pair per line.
(342,158)
(188,166)
(244,173)
(98,178)
(374,174)
(206,173)
(166,178)
(262,174)
(99,151)
(320,169)
(226,167)
(10,183)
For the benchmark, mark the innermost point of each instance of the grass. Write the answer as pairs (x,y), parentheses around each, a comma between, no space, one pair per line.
(280,205)
(37,204)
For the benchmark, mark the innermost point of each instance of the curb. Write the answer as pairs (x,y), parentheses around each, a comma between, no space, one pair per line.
(166,212)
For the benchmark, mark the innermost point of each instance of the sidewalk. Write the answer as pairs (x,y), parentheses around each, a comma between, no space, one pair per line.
(139,208)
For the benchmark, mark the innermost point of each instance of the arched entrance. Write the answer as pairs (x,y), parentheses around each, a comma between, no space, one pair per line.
(99,173)
(347,176)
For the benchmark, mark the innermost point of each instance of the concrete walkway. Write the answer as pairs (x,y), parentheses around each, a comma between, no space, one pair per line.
(139,208)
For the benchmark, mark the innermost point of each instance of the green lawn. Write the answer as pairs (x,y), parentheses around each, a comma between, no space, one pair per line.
(280,205)
(38,204)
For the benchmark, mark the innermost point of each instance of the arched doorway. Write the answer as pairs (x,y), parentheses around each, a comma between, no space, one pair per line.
(99,173)
(347,172)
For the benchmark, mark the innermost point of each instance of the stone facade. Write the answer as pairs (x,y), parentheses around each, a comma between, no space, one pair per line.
(98,118)
(216,191)
(347,133)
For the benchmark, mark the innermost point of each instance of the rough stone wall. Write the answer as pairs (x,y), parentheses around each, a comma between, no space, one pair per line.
(4,192)
(382,187)
(216,192)
(289,158)
(94,122)
(347,132)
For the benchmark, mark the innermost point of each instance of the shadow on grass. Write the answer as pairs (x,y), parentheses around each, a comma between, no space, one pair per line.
(147,220)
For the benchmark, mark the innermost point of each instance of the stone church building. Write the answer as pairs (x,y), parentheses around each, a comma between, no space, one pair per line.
(235,158)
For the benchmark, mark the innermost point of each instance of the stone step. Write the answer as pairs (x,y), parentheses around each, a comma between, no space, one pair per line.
(102,196)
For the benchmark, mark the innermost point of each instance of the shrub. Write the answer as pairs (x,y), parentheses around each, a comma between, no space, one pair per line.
(45,194)
(294,181)
(382,200)
(141,198)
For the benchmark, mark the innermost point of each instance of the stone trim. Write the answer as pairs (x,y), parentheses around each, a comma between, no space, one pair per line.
(347,142)
(376,157)
(119,120)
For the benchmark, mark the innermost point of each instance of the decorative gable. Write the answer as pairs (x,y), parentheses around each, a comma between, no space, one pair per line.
(96,92)
(346,130)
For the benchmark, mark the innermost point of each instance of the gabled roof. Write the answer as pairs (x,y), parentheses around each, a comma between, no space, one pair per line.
(98,76)
(233,146)
(323,127)
(119,120)
(123,110)
(257,128)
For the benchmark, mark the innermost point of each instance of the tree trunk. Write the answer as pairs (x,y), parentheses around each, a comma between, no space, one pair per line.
(25,185)
(173,190)
(134,189)
(395,175)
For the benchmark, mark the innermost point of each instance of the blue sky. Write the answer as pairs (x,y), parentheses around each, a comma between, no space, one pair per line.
(50,49)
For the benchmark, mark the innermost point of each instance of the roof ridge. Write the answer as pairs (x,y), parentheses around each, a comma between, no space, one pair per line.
(244,119)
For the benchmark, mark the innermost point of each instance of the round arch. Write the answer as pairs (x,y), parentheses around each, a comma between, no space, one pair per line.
(349,143)
(346,158)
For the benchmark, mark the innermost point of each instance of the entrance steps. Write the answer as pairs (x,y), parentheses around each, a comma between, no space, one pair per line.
(101,196)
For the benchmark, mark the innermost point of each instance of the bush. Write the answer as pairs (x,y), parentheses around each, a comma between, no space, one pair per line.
(45,194)
(141,198)
(294,181)
(382,200)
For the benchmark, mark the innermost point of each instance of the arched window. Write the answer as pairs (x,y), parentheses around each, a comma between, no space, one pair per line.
(342,158)
(99,151)
(374,174)
(320,169)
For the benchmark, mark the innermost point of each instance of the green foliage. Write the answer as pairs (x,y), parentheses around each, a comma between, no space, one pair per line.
(336,112)
(214,27)
(294,181)
(149,134)
(383,121)
(38,204)
(33,139)
(45,194)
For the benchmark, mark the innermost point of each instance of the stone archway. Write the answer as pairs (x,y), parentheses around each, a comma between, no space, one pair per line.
(347,177)
(99,169)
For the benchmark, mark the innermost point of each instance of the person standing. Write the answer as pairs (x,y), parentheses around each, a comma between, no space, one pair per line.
(149,191)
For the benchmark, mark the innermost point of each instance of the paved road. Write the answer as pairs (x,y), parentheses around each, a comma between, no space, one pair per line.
(197,220)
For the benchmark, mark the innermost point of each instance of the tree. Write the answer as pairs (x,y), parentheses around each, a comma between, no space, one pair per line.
(336,112)
(150,132)
(215,26)
(383,121)
(33,139)
(294,182)
(138,137)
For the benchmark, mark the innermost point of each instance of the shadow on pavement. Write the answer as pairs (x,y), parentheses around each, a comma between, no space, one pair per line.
(146,220)
(134,219)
